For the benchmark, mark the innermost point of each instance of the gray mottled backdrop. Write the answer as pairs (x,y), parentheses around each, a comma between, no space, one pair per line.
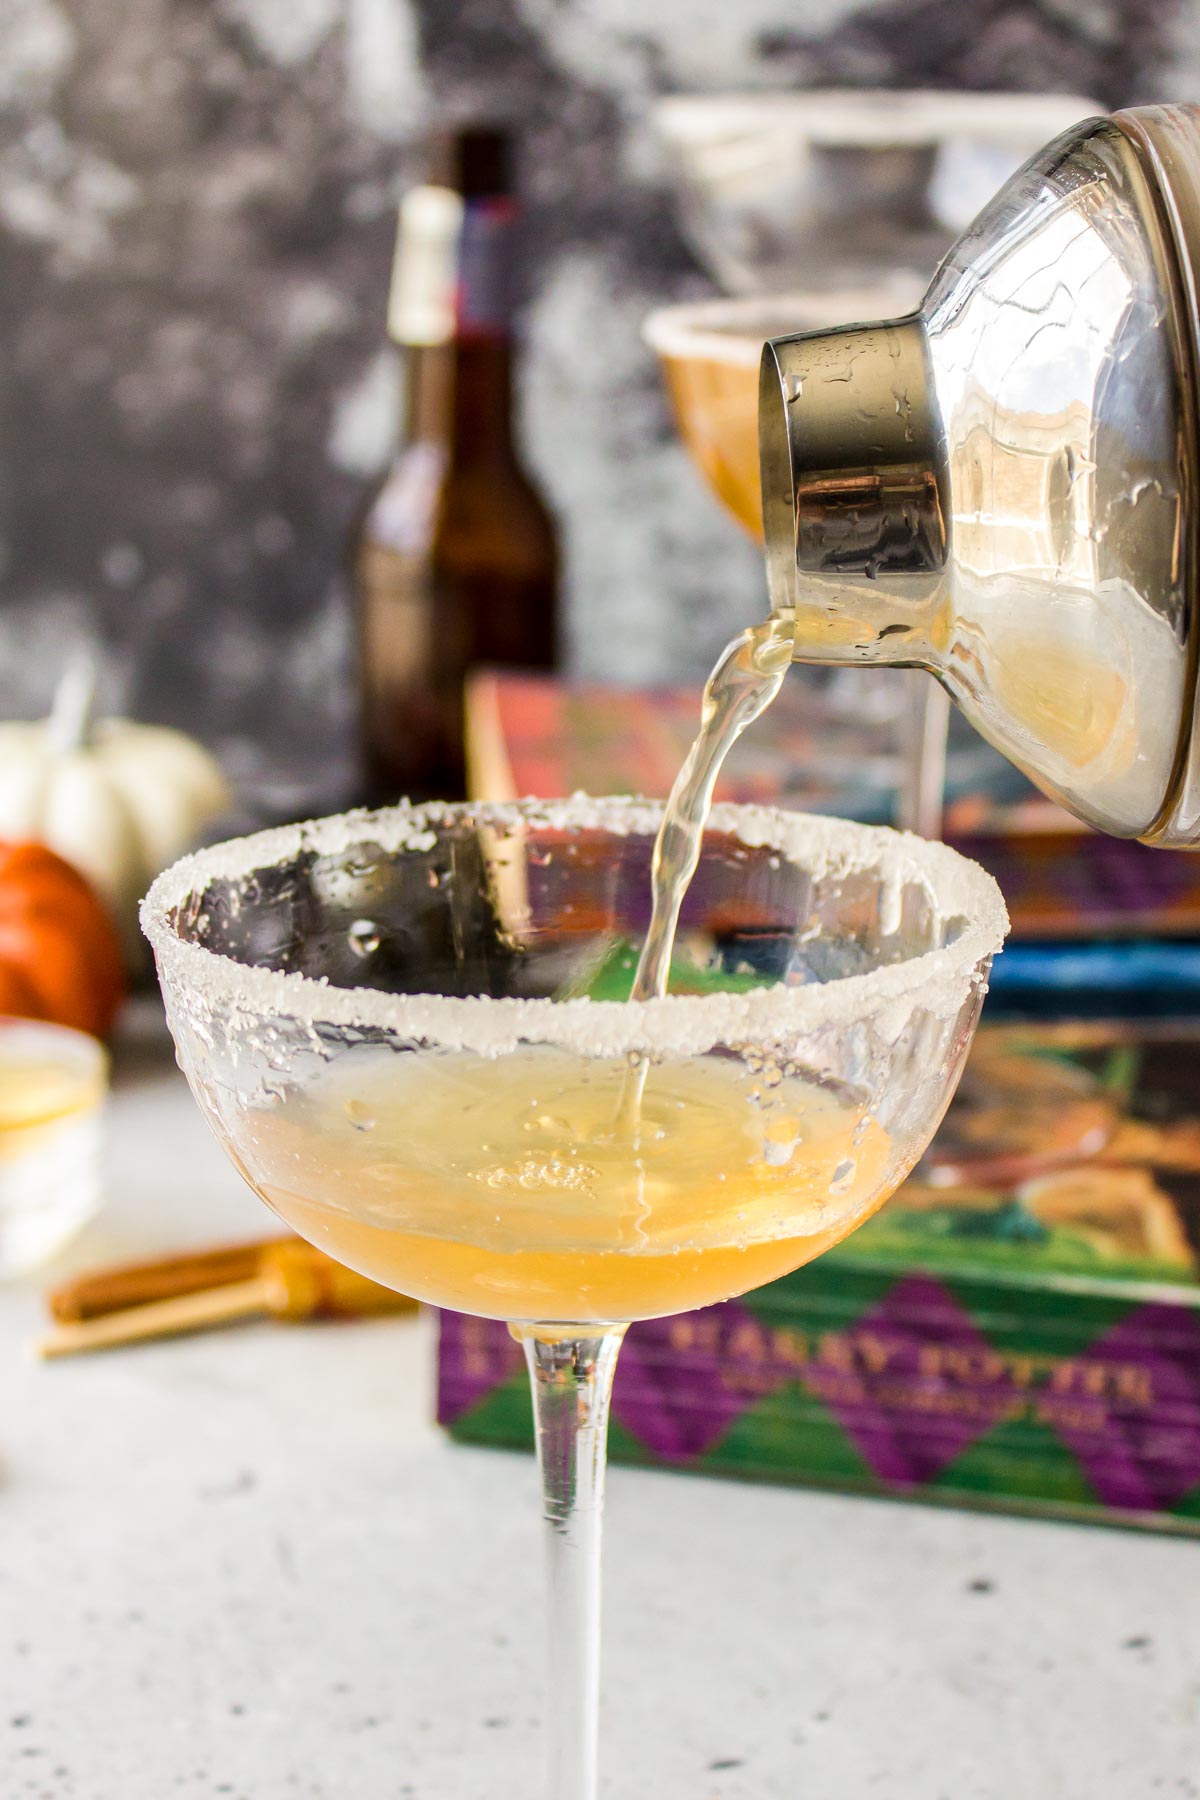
(196,221)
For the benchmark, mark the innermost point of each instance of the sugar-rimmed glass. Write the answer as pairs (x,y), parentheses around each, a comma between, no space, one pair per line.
(407,1030)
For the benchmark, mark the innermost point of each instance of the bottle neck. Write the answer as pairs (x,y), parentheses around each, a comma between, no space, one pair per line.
(452,306)
(460,395)
(483,398)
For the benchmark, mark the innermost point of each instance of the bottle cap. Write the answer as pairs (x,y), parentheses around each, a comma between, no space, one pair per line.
(476,161)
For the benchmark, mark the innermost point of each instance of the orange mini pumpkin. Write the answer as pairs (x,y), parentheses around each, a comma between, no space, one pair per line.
(60,957)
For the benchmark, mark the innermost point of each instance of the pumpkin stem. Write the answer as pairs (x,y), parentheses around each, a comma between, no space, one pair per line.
(69,727)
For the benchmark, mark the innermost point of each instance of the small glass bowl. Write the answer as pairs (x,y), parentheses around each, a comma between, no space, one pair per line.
(53,1084)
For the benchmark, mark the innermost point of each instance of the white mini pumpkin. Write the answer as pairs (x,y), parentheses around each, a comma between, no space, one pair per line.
(118,800)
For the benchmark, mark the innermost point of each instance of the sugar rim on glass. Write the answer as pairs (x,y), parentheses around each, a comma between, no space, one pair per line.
(679,1023)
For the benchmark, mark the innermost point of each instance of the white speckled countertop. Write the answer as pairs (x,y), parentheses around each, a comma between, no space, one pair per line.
(247,1564)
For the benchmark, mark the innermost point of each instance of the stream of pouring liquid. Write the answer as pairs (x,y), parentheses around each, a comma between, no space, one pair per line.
(746,678)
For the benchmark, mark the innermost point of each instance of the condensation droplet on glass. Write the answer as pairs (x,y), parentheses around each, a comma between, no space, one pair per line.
(360,1116)
(781,1136)
(843,1175)
(363,937)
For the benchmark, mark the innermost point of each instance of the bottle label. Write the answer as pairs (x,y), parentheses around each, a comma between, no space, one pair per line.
(453,274)
(484,296)
(424,270)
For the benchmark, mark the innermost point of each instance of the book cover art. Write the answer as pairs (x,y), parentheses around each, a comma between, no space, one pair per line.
(1070,1150)
(817,749)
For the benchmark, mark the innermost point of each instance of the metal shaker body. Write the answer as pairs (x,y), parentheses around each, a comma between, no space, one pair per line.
(1004,488)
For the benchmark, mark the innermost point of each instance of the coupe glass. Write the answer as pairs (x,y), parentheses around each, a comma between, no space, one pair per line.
(408,1030)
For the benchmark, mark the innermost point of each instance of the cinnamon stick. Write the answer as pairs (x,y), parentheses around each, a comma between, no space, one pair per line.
(142,1283)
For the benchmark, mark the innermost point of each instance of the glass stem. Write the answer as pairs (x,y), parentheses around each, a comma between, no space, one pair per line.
(571,1375)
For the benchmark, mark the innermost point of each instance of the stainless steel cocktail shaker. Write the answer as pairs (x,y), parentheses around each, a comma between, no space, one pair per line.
(1004,487)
